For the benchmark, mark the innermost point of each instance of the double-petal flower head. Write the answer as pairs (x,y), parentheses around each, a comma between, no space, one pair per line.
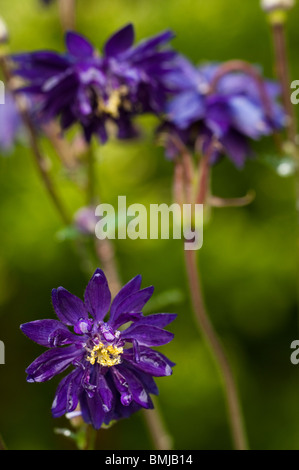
(97,90)
(233,110)
(114,363)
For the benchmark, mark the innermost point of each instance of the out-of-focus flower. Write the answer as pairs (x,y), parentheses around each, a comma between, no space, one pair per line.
(10,124)
(113,367)
(270,5)
(85,220)
(233,112)
(94,90)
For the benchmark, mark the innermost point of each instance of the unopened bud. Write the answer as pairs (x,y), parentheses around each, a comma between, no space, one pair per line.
(272,5)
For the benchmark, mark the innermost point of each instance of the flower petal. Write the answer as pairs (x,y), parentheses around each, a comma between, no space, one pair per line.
(150,361)
(105,393)
(69,308)
(134,303)
(97,296)
(147,46)
(185,109)
(92,409)
(78,45)
(66,397)
(135,387)
(236,147)
(52,362)
(157,319)
(147,334)
(49,333)
(120,41)
(132,286)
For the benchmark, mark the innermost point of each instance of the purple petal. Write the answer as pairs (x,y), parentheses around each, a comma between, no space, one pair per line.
(134,303)
(147,380)
(78,45)
(120,41)
(97,296)
(132,286)
(236,148)
(147,46)
(248,118)
(150,361)
(49,333)
(126,318)
(92,410)
(136,388)
(69,308)
(105,393)
(157,319)
(185,109)
(218,115)
(52,362)
(147,334)
(66,397)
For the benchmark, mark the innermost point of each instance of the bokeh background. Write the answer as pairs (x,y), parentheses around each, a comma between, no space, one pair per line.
(248,260)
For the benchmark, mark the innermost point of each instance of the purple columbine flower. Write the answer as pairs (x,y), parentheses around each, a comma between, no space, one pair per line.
(114,363)
(84,86)
(233,112)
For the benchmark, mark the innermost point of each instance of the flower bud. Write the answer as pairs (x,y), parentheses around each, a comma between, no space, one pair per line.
(271,5)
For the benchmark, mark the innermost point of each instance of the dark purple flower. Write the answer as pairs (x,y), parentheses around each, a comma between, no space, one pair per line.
(233,112)
(114,363)
(10,124)
(84,86)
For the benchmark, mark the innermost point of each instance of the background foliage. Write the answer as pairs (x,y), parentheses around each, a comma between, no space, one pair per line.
(248,260)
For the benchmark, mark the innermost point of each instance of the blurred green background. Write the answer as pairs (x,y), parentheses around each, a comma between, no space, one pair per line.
(248,260)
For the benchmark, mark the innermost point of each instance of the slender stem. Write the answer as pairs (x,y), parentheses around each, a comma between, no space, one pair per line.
(217,350)
(160,437)
(201,316)
(283,74)
(64,150)
(67,11)
(91,176)
(90,436)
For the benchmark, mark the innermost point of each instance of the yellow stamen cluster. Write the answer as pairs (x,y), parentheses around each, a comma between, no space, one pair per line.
(114,102)
(106,356)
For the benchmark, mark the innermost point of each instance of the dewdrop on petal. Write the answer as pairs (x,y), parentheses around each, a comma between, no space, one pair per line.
(271,5)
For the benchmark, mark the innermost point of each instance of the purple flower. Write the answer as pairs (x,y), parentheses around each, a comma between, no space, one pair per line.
(114,364)
(10,124)
(233,111)
(84,86)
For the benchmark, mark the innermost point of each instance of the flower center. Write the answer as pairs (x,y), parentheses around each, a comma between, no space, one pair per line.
(114,102)
(106,356)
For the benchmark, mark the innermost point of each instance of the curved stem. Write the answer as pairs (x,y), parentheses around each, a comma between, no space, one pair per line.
(283,74)
(182,183)
(217,350)
(245,67)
